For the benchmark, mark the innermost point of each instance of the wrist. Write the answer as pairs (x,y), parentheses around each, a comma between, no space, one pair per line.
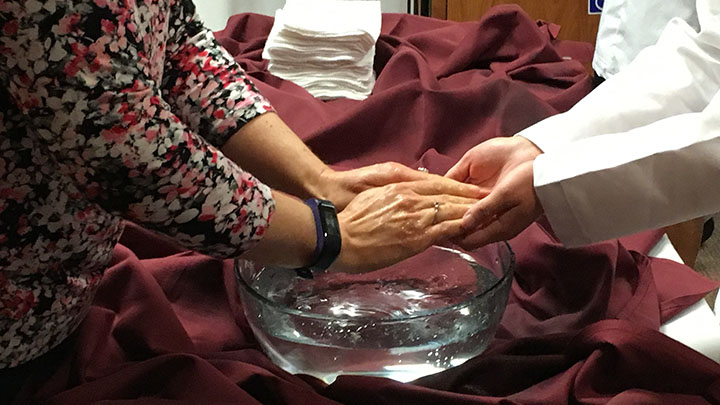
(319,183)
(327,235)
(527,146)
(290,238)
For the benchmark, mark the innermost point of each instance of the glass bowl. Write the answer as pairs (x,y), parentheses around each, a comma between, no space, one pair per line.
(421,316)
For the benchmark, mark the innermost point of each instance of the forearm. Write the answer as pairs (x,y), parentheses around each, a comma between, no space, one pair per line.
(271,151)
(290,239)
(212,94)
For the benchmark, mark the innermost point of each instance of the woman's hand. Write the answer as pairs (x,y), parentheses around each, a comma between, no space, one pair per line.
(341,187)
(384,225)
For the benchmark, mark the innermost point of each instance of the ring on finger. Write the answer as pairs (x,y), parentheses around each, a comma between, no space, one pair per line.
(423,169)
(436,207)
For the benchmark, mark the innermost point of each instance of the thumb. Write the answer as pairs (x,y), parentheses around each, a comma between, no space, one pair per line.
(461,170)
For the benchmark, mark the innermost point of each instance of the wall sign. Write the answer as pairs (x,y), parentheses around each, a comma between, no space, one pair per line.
(595,6)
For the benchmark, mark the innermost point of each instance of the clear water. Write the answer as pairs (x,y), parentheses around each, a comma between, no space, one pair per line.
(402,364)
(376,326)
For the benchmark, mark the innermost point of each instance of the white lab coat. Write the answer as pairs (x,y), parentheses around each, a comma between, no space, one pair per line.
(643,149)
(629,26)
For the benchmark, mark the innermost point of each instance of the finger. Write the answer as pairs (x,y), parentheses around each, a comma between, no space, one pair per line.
(451,184)
(393,172)
(503,228)
(493,232)
(452,199)
(460,171)
(486,210)
(440,185)
(447,212)
(444,230)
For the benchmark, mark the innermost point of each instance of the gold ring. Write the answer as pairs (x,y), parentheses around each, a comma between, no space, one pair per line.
(436,206)
(423,169)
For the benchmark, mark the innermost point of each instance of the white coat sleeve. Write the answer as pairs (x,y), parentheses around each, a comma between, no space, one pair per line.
(611,185)
(643,150)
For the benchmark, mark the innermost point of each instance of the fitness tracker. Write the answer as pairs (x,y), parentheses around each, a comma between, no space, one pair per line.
(329,242)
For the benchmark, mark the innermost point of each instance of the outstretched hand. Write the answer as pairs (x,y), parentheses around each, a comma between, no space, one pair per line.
(504,166)
(384,225)
(341,187)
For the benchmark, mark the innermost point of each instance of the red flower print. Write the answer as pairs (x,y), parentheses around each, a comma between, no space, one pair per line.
(206,217)
(108,26)
(150,134)
(10,27)
(115,134)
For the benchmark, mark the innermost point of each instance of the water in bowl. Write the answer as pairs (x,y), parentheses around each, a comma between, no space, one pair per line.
(396,327)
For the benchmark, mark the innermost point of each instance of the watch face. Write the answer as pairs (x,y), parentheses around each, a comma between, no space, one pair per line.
(328,217)
(330,220)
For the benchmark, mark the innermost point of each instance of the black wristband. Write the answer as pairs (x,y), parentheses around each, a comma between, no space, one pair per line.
(327,231)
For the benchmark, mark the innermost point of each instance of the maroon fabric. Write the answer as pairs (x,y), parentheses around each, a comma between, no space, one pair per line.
(580,326)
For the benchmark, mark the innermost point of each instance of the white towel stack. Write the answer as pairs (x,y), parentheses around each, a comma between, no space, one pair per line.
(326,46)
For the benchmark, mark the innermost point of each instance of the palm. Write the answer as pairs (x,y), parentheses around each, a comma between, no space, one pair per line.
(505,167)
(489,165)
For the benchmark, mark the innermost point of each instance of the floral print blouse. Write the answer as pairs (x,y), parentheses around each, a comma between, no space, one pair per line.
(110,110)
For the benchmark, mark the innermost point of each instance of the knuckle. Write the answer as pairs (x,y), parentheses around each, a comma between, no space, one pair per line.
(407,204)
(410,231)
(403,202)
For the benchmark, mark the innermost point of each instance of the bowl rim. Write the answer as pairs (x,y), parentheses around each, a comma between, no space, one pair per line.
(422,314)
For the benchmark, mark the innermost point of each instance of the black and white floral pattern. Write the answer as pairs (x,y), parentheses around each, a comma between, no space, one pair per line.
(111,109)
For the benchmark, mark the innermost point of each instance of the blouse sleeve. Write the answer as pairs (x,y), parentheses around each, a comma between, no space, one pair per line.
(208,90)
(85,74)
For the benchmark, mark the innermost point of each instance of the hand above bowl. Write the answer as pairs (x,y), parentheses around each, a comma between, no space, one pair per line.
(385,225)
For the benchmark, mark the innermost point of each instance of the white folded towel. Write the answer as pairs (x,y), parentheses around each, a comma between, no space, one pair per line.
(326,46)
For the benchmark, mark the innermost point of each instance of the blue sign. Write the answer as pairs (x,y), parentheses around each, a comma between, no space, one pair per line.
(595,6)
